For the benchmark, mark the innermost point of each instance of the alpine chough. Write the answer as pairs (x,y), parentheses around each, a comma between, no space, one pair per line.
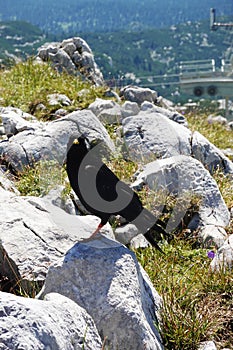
(103,194)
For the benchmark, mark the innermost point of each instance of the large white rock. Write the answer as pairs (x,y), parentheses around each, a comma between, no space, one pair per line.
(138,94)
(184,176)
(50,141)
(105,278)
(210,156)
(150,135)
(107,111)
(34,233)
(14,120)
(56,323)
(129,109)
(171,114)
(74,56)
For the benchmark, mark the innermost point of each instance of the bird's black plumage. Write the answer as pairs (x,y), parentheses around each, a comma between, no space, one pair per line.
(109,187)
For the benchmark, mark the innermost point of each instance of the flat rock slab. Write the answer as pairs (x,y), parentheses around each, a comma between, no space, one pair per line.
(49,142)
(34,233)
(55,323)
(105,278)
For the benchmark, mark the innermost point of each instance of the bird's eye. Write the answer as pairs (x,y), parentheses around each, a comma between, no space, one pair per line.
(76,142)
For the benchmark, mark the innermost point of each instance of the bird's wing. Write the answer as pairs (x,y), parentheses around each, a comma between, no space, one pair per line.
(107,184)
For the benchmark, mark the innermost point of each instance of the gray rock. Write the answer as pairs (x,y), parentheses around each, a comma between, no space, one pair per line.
(209,155)
(129,109)
(212,235)
(224,257)
(68,46)
(81,45)
(121,299)
(6,184)
(50,141)
(139,241)
(152,135)
(77,59)
(88,60)
(38,233)
(57,323)
(218,119)
(74,56)
(57,198)
(128,234)
(207,345)
(60,113)
(171,114)
(58,99)
(138,94)
(14,120)
(165,103)
(62,61)
(110,93)
(124,234)
(46,49)
(107,111)
(184,177)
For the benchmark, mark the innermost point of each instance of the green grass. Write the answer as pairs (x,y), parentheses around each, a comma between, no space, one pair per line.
(218,134)
(197,304)
(40,179)
(26,85)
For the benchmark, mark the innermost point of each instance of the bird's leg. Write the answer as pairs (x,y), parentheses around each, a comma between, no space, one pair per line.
(96,231)
(93,234)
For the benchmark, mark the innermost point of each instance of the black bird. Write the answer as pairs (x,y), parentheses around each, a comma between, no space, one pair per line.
(103,194)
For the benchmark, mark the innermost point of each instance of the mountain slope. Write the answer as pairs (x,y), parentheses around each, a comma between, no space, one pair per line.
(111,15)
(19,39)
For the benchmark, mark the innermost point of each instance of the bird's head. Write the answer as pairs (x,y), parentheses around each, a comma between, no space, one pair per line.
(77,144)
(78,141)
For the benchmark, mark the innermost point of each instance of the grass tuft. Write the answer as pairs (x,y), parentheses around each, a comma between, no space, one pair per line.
(40,179)
(28,84)
(197,304)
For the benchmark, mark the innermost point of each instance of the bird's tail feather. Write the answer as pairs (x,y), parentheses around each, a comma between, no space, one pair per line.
(151,240)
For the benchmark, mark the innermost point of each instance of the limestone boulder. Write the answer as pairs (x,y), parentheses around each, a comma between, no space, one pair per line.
(185,177)
(54,323)
(150,135)
(107,111)
(210,156)
(121,299)
(157,133)
(34,233)
(170,113)
(14,121)
(129,109)
(58,99)
(49,142)
(74,56)
(138,94)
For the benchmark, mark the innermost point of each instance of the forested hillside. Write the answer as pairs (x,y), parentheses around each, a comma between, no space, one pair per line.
(145,53)
(158,51)
(19,40)
(72,16)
